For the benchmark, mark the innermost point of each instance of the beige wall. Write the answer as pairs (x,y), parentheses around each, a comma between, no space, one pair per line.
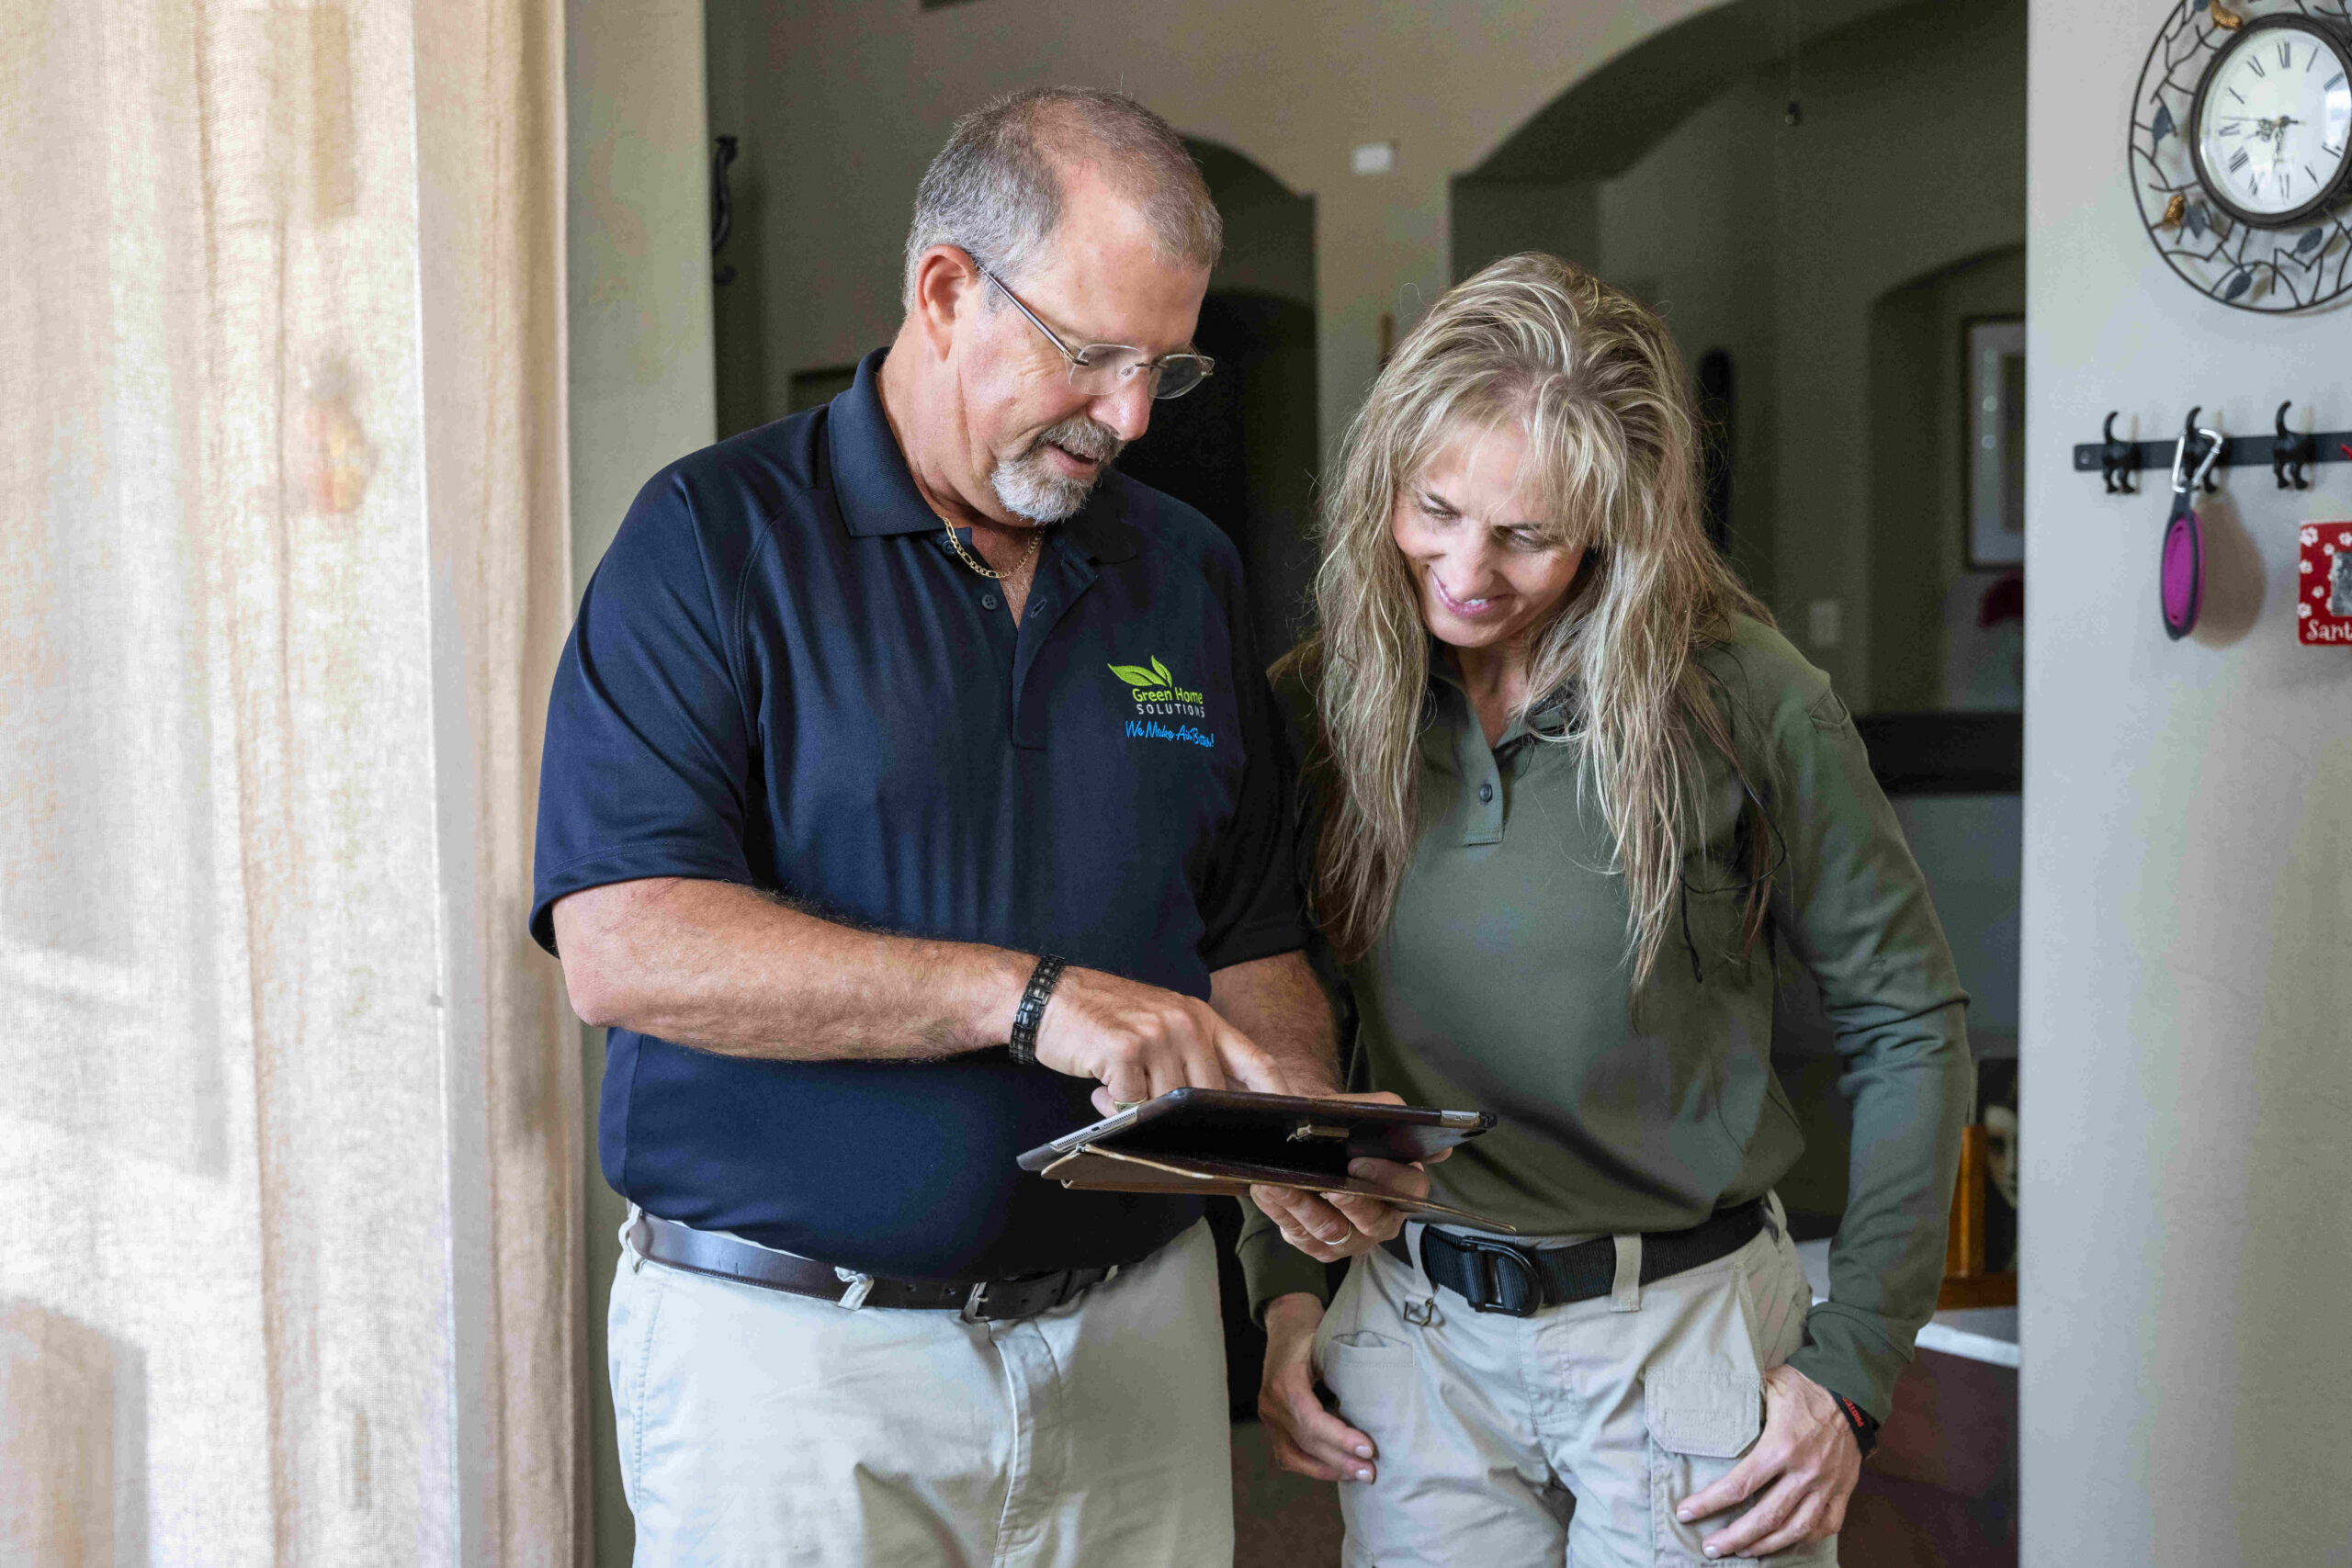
(638,243)
(2187,1393)
(1923,597)
(1899,195)
(841,103)
(637,249)
(1776,243)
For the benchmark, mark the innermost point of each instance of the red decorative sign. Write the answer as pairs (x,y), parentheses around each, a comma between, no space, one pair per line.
(2324,585)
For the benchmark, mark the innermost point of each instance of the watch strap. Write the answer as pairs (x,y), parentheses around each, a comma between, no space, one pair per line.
(1032,1011)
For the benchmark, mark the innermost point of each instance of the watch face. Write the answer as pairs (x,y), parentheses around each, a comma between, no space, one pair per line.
(2274,121)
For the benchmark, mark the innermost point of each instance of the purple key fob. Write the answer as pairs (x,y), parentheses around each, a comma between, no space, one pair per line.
(2181,571)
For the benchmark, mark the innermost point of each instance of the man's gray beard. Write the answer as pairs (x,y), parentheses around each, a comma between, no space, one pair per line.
(1030,488)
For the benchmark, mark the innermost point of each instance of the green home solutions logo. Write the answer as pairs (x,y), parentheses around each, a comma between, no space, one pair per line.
(1157,696)
(1156,691)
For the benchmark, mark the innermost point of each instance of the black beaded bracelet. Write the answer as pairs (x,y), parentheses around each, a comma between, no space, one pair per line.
(1032,1011)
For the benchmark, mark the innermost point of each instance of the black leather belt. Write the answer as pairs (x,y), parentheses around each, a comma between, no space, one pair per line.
(706,1252)
(1494,1275)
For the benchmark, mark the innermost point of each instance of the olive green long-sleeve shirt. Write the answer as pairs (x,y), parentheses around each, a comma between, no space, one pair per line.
(1502,984)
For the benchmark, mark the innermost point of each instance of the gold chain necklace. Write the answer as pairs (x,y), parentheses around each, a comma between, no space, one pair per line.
(1037,537)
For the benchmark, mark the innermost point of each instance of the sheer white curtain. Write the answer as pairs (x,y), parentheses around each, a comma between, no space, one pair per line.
(287,1101)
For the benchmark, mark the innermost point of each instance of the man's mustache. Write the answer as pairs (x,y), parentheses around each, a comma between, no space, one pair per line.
(1082,437)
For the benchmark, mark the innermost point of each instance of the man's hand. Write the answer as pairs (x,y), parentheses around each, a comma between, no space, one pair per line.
(1341,1225)
(1805,1465)
(1139,1042)
(1308,1438)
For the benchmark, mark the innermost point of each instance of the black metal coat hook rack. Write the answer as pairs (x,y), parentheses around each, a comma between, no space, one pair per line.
(2288,452)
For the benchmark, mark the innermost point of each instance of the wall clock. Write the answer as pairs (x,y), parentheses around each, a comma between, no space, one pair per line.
(2240,150)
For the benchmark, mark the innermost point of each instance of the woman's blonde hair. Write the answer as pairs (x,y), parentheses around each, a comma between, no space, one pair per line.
(1593,379)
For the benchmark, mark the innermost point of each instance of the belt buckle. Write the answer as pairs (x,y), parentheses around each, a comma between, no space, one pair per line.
(1486,1274)
(1040,1294)
(1055,1289)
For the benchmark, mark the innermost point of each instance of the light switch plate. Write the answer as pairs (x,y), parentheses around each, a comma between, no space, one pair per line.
(1824,623)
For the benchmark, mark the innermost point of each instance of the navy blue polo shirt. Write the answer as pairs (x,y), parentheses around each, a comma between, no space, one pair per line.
(781,676)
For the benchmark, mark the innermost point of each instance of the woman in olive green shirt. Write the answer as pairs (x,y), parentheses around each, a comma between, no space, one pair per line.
(1571,798)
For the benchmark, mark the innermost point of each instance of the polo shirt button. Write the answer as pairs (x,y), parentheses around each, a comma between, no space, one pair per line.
(987,601)
(1486,791)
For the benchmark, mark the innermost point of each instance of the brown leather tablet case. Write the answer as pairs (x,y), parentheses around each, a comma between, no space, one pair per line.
(1225,1140)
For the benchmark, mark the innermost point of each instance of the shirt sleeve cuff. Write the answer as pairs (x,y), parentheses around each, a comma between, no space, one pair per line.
(627,862)
(1843,1355)
(1272,1267)
(1271,939)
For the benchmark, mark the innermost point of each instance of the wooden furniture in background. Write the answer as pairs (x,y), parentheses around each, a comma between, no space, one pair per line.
(1966,1284)
(1941,1490)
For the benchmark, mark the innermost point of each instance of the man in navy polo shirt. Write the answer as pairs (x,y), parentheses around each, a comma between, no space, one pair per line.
(890,734)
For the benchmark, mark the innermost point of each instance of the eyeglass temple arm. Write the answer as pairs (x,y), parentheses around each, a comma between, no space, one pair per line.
(1051,337)
(1077,361)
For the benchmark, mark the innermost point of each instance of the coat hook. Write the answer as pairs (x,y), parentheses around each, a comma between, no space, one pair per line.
(2118,460)
(2189,433)
(2290,452)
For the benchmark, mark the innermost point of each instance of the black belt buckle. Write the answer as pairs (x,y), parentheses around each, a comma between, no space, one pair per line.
(1485,1262)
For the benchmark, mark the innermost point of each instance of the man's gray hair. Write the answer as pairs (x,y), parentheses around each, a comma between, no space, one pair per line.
(993,189)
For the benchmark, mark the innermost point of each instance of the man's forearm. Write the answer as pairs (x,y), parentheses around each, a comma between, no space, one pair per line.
(722,967)
(1279,1003)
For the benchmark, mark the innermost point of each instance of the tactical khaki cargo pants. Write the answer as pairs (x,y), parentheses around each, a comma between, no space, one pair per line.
(1564,1438)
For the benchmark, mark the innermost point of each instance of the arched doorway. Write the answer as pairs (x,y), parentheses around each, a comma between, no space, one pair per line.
(1242,447)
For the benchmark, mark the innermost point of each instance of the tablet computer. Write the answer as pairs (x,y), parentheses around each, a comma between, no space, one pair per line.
(1225,1140)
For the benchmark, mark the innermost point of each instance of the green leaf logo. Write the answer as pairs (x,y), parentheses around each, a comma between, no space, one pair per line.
(1161,671)
(1134,676)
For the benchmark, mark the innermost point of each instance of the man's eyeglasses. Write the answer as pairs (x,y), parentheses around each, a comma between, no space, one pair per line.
(1105,369)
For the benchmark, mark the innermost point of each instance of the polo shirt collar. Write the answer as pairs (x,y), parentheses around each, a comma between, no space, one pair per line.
(877,493)
(1549,716)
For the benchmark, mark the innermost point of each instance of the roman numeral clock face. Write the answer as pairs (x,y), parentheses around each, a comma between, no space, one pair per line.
(2240,150)
(2273,122)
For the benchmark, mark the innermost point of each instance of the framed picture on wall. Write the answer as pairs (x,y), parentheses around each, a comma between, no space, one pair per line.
(1993,442)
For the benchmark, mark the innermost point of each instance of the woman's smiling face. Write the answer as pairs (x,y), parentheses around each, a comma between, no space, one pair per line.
(1475,536)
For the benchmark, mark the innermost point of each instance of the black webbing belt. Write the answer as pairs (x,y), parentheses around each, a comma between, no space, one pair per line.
(1494,1275)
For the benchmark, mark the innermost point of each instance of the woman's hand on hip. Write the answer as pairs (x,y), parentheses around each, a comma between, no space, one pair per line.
(1308,1438)
(1335,1225)
(1801,1472)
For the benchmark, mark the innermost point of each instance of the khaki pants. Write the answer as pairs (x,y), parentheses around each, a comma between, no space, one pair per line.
(758,1428)
(1564,1438)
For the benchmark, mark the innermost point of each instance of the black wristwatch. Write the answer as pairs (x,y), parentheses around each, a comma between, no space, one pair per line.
(1032,1011)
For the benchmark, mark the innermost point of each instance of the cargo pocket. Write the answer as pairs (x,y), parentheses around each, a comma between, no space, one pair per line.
(1699,1423)
(1373,1378)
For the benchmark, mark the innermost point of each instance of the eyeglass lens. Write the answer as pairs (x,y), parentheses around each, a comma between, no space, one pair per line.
(1105,368)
